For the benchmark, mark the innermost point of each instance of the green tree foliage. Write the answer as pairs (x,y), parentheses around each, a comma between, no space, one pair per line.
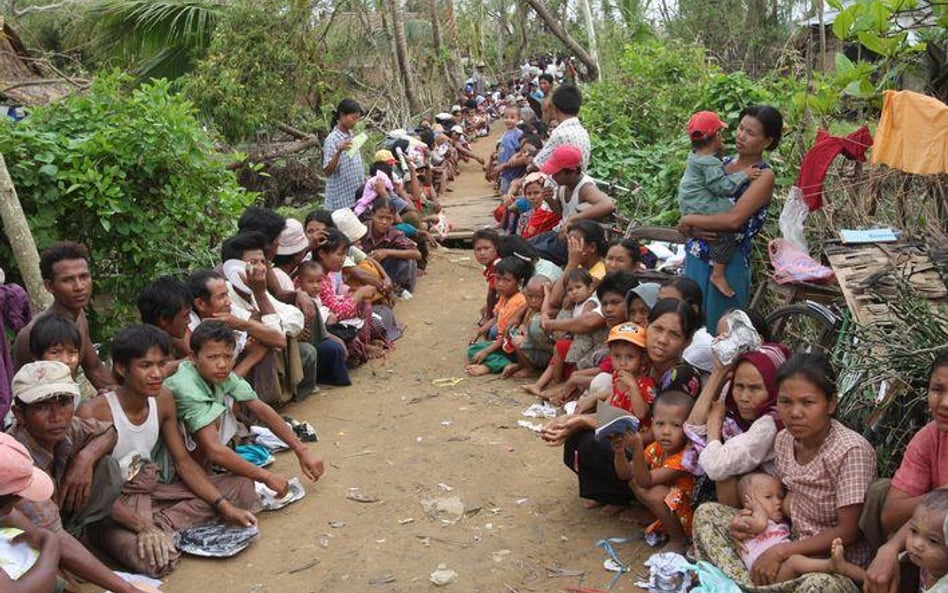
(260,68)
(132,175)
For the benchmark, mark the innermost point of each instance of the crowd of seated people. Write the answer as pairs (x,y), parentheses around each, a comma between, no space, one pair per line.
(159,440)
(743,464)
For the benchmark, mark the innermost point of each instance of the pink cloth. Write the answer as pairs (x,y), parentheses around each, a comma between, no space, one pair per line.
(369,194)
(818,158)
(775,533)
(924,466)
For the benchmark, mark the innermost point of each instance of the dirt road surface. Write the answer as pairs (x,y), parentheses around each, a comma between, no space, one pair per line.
(402,437)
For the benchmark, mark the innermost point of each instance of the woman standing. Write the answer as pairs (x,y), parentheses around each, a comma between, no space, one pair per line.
(760,129)
(826,469)
(344,174)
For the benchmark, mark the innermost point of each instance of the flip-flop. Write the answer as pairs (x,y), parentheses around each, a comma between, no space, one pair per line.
(447,381)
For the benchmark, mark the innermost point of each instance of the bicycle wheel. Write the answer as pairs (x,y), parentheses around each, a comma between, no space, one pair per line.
(806,327)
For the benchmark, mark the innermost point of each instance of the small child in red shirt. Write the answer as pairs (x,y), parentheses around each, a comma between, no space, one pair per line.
(632,389)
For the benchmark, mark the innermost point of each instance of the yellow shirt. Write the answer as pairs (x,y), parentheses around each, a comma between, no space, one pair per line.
(598,270)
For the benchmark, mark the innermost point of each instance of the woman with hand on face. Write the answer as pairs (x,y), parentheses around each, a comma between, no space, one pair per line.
(736,423)
(825,469)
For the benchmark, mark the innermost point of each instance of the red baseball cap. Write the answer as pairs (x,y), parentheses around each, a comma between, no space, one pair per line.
(566,156)
(704,124)
(18,475)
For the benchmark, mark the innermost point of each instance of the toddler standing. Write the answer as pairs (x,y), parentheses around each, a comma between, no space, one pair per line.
(705,188)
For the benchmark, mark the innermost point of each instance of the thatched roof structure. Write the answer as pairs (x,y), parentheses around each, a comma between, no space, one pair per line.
(23,80)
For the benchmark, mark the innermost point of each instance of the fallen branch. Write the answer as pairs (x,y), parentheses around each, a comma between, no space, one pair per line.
(295,132)
(80,83)
(277,151)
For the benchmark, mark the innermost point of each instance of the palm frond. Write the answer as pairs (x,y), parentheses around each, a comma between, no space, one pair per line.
(150,33)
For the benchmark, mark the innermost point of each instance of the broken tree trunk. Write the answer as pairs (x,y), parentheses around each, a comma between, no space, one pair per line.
(21,241)
(276,151)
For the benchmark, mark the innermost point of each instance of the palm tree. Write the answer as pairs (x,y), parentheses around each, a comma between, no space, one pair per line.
(160,37)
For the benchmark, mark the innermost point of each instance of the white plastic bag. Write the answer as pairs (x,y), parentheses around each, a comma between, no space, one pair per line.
(792,217)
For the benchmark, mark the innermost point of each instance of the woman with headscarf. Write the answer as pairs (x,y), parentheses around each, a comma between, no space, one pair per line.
(736,432)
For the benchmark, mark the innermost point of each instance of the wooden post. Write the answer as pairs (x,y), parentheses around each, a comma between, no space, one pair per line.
(21,241)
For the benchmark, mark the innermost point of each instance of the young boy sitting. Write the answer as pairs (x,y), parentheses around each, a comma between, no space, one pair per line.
(143,413)
(657,474)
(208,395)
(55,337)
(705,188)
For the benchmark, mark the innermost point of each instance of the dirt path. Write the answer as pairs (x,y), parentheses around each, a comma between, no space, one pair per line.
(396,436)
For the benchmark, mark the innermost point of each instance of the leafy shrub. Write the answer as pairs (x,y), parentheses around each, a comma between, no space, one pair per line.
(130,174)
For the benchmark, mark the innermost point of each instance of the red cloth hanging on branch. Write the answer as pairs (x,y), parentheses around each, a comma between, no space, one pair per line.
(817,161)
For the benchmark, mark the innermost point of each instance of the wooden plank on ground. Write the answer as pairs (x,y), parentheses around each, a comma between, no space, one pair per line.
(865,274)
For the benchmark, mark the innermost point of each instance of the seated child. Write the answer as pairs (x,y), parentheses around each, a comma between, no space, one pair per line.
(493,355)
(334,372)
(531,344)
(358,269)
(572,345)
(352,309)
(208,396)
(538,218)
(657,474)
(762,496)
(388,246)
(632,389)
(486,249)
(705,188)
(55,337)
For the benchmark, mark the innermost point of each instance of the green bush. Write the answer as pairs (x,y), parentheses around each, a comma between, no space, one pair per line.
(132,175)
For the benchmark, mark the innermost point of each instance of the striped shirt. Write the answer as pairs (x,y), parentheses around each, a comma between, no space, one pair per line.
(349,175)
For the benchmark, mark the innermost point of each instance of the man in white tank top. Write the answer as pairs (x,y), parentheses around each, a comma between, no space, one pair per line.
(148,512)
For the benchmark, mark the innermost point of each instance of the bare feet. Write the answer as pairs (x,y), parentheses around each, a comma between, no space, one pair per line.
(719,281)
(523,373)
(611,510)
(509,370)
(588,503)
(532,389)
(373,352)
(679,546)
(477,370)
(839,564)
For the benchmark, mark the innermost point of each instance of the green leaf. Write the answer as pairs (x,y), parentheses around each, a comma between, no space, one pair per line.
(843,25)
(844,66)
(106,223)
(836,4)
(50,170)
(874,43)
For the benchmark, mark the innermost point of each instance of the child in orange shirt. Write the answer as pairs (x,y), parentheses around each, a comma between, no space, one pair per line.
(487,357)
(657,473)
